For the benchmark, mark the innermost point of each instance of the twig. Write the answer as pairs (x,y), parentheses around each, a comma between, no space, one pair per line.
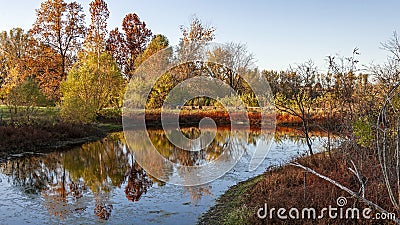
(355,171)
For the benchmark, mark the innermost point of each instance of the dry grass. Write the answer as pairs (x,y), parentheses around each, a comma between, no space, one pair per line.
(221,117)
(291,187)
(45,137)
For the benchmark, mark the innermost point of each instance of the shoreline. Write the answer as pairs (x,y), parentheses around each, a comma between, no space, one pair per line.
(230,207)
(41,140)
(28,140)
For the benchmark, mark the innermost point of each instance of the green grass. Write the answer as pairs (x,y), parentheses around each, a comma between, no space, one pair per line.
(45,113)
(231,207)
(108,127)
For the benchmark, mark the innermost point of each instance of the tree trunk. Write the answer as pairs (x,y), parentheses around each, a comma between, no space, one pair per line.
(306,133)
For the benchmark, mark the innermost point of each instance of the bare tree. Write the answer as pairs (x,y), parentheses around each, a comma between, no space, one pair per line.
(298,93)
(387,75)
(388,122)
(344,71)
(236,61)
(388,144)
(393,46)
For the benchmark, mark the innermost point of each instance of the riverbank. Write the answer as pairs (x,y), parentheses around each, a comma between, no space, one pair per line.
(25,139)
(289,187)
(191,117)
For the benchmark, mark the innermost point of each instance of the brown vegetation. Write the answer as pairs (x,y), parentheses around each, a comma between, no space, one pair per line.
(222,118)
(26,138)
(292,187)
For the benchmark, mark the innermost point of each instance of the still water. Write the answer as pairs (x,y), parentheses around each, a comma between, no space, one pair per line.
(100,182)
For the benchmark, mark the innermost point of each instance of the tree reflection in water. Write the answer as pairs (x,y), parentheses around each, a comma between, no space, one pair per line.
(138,183)
(102,208)
(197,192)
(69,181)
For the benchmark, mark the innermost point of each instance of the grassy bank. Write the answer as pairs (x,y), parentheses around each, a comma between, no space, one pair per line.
(290,187)
(45,132)
(17,141)
(232,207)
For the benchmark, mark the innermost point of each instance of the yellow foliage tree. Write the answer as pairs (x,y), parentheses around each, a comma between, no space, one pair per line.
(91,87)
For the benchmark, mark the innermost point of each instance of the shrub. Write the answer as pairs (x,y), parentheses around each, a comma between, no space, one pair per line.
(362,129)
(92,84)
(24,100)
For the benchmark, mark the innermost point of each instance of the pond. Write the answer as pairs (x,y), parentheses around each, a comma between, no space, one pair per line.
(100,182)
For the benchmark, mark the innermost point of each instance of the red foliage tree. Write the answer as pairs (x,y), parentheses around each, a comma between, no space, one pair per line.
(116,46)
(96,37)
(137,35)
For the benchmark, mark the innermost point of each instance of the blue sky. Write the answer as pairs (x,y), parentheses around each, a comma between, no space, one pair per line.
(279,33)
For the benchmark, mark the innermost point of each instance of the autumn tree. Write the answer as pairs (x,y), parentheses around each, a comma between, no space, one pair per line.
(158,43)
(137,36)
(61,26)
(197,32)
(145,62)
(13,53)
(273,78)
(43,65)
(97,33)
(194,37)
(116,46)
(93,84)
(23,57)
(128,45)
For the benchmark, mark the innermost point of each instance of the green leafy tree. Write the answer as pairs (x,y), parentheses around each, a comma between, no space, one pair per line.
(91,87)
(362,129)
(23,101)
(159,42)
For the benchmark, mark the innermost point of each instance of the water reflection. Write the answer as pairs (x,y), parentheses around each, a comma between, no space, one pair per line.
(191,166)
(80,181)
(138,183)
